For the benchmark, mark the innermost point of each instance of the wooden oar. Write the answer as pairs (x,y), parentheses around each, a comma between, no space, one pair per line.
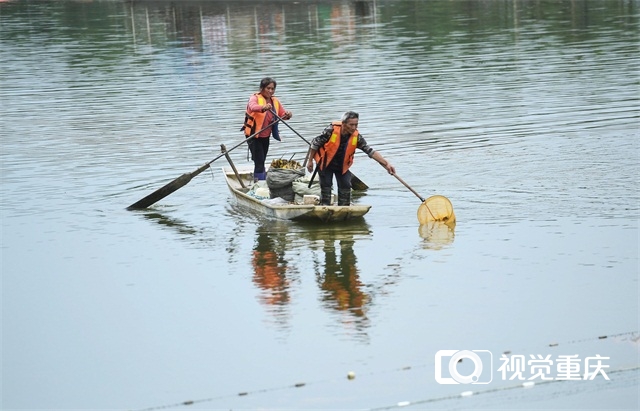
(416,193)
(224,151)
(356,183)
(184,179)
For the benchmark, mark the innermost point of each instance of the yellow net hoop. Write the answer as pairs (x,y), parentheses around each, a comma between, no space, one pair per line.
(436,208)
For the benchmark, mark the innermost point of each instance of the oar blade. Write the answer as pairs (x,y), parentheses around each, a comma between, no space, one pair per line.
(162,192)
(184,179)
(357,184)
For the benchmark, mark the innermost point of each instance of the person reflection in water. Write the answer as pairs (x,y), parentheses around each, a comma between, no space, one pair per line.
(341,289)
(341,285)
(270,270)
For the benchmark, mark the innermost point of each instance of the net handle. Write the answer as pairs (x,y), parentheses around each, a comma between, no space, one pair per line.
(407,185)
(416,193)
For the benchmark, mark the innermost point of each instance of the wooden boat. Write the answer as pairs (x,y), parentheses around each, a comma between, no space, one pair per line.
(240,181)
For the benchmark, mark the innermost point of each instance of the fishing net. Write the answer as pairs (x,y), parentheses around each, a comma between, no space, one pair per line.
(436,208)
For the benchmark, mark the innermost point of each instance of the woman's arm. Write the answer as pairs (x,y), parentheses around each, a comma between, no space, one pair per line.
(285,114)
(253,105)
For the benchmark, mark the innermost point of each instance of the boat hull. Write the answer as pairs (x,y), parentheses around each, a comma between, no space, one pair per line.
(286,211)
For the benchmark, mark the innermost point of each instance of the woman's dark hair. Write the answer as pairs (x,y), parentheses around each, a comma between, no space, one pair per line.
(266,81)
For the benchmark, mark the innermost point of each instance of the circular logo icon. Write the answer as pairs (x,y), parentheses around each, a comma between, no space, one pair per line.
(465,379)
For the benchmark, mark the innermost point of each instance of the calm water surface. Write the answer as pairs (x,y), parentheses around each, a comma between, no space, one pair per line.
(525,114)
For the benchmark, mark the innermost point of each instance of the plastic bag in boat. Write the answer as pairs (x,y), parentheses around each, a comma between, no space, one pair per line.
(301,188)
(279,181)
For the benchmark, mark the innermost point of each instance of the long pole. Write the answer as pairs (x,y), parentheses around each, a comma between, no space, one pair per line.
(184,179)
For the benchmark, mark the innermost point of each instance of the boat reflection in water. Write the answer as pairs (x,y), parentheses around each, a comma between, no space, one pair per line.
(329,251)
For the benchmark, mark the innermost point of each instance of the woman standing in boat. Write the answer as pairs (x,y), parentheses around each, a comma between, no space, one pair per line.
(259,115)
(333,152)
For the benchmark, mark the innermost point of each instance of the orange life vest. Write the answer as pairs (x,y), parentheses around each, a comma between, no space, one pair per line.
(326,153)
(253,121)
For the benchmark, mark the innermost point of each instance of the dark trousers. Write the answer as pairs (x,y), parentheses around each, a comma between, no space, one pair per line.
(259,148)
(343,180)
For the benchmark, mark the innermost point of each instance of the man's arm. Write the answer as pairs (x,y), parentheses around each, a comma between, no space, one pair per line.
(383,162)
(362,145)
(315,145)
(311,154)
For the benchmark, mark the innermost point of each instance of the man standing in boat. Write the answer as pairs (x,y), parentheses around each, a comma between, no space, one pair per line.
(333,152)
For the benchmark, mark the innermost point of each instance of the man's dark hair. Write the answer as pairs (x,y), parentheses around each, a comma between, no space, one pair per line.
(349,115)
